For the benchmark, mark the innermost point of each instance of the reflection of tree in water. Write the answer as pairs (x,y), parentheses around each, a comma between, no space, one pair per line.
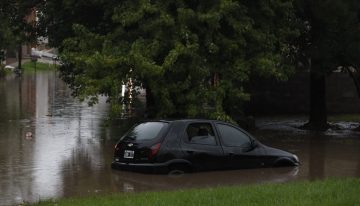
(87,171)
(317,155)
(17,109)
(82,175)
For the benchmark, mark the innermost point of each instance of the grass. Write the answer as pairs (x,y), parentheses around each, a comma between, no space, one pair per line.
(3,71)
(345,118)
(331,117)
(30,66)
(326,192)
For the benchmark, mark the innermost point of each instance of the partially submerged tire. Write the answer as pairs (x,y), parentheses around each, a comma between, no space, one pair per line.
(179,169)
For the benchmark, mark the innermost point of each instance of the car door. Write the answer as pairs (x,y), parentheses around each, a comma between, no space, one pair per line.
(201,146)
(238,147)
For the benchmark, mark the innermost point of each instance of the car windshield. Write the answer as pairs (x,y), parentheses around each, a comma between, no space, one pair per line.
(145,131)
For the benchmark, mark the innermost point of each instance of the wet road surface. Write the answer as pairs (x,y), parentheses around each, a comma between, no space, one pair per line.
(52,146)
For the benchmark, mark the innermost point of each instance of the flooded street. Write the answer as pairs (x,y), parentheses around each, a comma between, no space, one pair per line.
(53,146)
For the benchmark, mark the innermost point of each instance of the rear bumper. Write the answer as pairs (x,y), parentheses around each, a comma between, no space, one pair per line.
(141,167)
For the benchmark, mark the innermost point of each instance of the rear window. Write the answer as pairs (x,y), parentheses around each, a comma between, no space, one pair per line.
(145,131)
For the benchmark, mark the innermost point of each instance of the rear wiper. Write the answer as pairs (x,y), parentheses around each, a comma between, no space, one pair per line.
(129,138)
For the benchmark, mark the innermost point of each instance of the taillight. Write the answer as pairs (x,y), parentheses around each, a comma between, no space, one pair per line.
(154,150)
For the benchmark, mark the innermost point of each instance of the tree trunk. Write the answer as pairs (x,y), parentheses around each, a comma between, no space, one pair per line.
(318,110)
(150,104)
(356,78)
(19,57)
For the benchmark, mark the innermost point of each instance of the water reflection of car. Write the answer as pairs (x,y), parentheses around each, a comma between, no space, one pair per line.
(137,182)
(194,145)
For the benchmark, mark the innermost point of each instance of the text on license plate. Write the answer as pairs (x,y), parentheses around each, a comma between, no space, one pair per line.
(128,154)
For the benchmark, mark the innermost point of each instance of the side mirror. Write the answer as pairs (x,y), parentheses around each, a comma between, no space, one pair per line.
(254,143)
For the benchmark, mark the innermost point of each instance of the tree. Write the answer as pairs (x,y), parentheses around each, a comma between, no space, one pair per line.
(355,75)
(193,57)
(15,28)
(57,17)
(5,31)
(329,40)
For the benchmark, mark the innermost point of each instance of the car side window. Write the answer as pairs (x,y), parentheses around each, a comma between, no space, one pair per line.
(200,133)
(232,136)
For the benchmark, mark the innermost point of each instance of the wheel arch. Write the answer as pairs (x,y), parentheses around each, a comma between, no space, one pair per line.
(180,164)
(284,162)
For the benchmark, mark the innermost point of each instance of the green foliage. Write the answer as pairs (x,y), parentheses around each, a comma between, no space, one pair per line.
(57,17)
(193,56)
(5,34)
(5,30)
(329,39)
(15,29)
(2,71)
(330,32)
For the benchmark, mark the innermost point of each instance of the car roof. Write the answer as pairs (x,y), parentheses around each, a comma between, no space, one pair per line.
(184,120)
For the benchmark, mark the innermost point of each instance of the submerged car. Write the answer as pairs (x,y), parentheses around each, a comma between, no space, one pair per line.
(194,145)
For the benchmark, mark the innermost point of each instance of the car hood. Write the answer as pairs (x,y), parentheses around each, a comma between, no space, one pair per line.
(270,151)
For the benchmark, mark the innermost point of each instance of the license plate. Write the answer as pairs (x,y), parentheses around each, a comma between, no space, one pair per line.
(129,154)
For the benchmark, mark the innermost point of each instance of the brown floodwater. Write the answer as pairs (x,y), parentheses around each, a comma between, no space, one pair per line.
(52,146)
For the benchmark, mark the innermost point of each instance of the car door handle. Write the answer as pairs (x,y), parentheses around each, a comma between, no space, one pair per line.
(231,154)
(190,152)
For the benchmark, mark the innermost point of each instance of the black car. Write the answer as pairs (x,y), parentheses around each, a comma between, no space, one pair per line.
(194,145)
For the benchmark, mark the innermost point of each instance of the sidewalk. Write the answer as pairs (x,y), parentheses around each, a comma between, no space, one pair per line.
(15,64)
(40,60)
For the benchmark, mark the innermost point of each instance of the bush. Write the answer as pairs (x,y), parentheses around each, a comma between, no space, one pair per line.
(2,71)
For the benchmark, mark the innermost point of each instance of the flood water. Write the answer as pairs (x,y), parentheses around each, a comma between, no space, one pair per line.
(53,146)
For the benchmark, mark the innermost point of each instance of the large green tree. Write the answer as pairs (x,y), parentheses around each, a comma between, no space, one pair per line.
(192,56)
(330,40)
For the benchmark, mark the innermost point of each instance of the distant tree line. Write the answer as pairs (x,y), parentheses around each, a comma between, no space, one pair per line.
(194,58)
